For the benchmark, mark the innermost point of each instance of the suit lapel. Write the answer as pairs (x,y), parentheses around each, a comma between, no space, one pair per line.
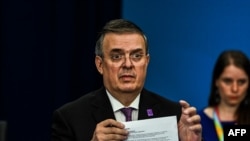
(102,109)
(102,106)
(148,107)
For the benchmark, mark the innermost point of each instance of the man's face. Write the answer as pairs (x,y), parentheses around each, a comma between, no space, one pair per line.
(124,63)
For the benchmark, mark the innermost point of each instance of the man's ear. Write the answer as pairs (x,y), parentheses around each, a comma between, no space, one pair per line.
(98,64)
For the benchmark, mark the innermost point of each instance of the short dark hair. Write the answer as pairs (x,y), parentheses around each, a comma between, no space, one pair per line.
(118,26)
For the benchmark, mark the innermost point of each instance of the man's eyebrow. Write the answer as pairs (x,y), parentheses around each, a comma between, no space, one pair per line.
(137,50)
(116,50)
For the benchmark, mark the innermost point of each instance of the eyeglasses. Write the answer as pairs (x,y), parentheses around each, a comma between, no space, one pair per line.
(118,57)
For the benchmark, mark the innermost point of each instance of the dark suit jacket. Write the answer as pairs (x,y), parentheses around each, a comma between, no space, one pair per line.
(76,121)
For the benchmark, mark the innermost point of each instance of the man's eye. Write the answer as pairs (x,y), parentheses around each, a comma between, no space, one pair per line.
(116,56)
(136,56)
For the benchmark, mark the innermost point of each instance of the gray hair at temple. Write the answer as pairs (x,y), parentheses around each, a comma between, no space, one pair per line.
(118,26)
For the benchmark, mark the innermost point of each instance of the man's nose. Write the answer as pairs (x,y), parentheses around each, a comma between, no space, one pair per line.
(127,61)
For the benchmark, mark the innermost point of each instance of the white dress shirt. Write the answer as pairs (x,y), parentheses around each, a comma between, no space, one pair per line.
(116,105)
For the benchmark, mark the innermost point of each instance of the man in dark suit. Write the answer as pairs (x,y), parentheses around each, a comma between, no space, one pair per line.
(122,59)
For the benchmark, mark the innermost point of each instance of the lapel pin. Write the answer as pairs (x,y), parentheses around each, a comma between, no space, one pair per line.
(150,112)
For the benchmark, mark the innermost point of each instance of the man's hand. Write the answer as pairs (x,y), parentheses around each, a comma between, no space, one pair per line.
(189,126)
(110,130)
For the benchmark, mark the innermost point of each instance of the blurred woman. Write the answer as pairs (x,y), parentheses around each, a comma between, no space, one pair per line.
(229,100)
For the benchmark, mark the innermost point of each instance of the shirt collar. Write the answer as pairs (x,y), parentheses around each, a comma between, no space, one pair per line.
(117,105)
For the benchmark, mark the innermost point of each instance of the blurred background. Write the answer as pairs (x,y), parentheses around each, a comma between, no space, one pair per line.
(47,52)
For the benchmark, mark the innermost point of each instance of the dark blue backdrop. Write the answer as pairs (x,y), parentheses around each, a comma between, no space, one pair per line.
(185,38)
(47,59)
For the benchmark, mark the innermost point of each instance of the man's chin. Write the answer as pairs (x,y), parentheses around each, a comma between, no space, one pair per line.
(129,89)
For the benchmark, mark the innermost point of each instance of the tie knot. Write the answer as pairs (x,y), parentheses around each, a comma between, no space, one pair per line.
(127,112)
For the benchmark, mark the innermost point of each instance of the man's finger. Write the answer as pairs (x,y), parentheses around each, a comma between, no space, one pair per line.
(112,123)
(184,104)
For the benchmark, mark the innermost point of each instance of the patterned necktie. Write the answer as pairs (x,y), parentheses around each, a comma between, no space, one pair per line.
(128,113)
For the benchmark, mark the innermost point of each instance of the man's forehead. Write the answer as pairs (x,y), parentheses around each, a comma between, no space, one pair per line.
(136,49)
(127,43)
